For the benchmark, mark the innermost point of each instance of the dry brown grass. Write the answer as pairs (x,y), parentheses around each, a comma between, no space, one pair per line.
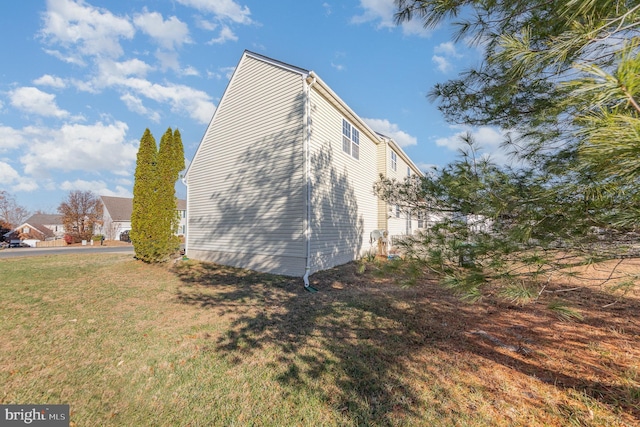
(419,353)
(126,343)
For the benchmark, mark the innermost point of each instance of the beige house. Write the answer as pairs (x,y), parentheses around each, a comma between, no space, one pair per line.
(282,181)
(116,216)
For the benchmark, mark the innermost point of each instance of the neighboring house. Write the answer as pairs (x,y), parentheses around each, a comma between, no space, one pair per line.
(117,212)
(116,216)
(38,227)
(29,233)
(182,213)
(282,180)
(51,221)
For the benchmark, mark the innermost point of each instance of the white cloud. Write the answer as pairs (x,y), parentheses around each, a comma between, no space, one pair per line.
(25,184)
(114,70)
(226,72)
(189,71)
(391,130)
(98,187)
(10,178)
(182,98)
(447,48)
(338,67)
(34,101)
(169,34)
(72,147)
(134,104)
(11,139)
(169,60)
(443,54)
(70,58)
(222,9)
(489,140)
(7,173)
(327,8)
(205,24)
(442,63)
(126,76)
(226,34)
(48,80)
(81,27)
(382,12)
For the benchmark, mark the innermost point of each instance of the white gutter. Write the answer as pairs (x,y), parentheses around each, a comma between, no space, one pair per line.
(307,148)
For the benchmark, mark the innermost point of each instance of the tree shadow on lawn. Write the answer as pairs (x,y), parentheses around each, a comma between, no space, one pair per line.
(379,353)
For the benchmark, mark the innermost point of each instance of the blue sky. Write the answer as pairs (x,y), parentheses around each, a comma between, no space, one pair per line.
(81,80)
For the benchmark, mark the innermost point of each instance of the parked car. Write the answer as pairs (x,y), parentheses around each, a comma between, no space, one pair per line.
(4,245)
(18,244)
(124,236)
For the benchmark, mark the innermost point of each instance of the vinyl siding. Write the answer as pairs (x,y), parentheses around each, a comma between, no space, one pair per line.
(398,226)
(344,208)
(383,209)
(246,185)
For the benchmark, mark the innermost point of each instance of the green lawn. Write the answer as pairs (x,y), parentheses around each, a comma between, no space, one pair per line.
(130,344)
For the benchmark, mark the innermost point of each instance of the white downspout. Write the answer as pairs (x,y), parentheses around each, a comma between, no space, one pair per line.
(186,219)
(307,231)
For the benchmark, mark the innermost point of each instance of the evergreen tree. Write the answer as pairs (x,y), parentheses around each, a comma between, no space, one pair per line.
(155,218)
(564,77)
(144,218)
(167,176)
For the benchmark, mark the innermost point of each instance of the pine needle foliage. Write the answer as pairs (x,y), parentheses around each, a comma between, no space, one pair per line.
(563,78)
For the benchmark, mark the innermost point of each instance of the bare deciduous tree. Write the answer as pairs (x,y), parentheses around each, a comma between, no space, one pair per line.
(81,212)
(11,213)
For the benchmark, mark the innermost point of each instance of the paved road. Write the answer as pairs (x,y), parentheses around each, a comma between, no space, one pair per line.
(21,252)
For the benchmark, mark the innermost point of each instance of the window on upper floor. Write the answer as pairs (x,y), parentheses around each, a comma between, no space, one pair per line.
(408,171)
(394,160)
(350,139)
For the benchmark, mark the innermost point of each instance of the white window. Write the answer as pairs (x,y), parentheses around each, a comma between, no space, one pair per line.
(420,219)
(408,171)
(397,211)
(394,160)
(350,140)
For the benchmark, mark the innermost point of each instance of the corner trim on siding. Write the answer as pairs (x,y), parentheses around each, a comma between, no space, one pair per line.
(307,165)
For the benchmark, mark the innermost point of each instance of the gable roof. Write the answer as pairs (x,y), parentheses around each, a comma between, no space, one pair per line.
(39,228)
(44,219)
(121,208)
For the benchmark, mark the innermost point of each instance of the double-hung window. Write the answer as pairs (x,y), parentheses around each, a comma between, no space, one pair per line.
(350,139)
(394,160)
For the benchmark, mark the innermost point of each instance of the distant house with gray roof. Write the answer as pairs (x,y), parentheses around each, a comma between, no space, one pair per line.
(38,227)
(117,216)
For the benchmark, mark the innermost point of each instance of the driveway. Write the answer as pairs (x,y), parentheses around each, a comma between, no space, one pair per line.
(22,252)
